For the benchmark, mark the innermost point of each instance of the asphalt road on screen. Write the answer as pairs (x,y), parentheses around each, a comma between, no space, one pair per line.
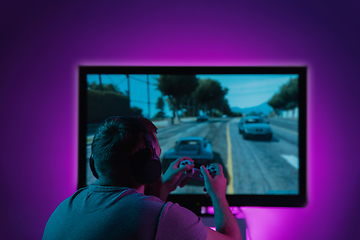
(251,166)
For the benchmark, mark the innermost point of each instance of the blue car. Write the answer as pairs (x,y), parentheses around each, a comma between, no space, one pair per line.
(202,118)
(197,148)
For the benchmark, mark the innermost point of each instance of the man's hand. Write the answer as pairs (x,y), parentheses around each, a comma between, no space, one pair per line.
(174,172)
(225,222)
(167,183)
(215,187)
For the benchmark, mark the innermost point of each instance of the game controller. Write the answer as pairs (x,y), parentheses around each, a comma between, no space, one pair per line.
(196,173)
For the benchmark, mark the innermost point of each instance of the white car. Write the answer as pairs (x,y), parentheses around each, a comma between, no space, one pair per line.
(255,127)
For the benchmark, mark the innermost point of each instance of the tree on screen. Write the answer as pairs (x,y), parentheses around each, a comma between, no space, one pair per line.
(176,87)
(107,101)
(287,97)
(104,87)
(160,104)
(210,94)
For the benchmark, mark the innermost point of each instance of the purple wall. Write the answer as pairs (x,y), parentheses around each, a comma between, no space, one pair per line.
(41,46)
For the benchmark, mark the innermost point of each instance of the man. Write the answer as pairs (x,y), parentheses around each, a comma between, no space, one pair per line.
(129,201)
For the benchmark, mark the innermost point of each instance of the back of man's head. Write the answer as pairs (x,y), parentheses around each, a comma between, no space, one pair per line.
(115,141)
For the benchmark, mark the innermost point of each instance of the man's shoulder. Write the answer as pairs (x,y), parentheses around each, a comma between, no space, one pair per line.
(171,208)
(144,201)
(177,222)
(116,196)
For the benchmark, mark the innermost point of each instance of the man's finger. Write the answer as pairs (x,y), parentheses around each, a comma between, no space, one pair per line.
(183,169)
(205,172)
(176,164)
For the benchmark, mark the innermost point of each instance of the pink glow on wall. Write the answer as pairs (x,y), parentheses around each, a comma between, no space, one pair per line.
(45,43)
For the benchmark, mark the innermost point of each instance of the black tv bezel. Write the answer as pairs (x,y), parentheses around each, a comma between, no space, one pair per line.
(195,201)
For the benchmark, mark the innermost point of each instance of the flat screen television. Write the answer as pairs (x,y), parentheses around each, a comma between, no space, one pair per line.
(251,120)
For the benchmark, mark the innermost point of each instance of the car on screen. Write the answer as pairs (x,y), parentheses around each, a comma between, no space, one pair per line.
(255,127)
(202,118)
(197,148)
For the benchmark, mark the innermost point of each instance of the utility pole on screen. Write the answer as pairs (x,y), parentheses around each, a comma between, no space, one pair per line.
(100,83)
(128,82)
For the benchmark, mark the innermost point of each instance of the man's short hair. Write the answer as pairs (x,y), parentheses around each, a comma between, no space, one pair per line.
(116,140)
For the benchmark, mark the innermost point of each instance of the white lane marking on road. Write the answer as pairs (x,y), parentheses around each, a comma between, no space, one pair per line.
(293,160)
(285,130)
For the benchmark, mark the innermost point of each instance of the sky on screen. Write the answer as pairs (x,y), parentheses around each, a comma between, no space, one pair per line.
(245,90)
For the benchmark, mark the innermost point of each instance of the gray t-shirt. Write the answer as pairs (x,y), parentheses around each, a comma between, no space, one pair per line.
(101,212)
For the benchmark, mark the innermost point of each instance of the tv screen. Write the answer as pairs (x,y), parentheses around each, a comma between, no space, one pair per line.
(251,120)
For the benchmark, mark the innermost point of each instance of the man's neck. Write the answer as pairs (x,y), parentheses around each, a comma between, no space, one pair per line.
(110,182)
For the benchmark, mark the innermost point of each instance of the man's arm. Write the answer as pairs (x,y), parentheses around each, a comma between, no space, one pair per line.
(227,227)
(167,183)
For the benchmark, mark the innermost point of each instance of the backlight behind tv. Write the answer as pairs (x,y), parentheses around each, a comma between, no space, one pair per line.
(251,120)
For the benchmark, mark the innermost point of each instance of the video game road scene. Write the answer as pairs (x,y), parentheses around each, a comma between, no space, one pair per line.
(248,123)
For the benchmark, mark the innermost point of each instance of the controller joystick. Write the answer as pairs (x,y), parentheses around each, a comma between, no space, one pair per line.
(196,173)
(212,170)
(186,162)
